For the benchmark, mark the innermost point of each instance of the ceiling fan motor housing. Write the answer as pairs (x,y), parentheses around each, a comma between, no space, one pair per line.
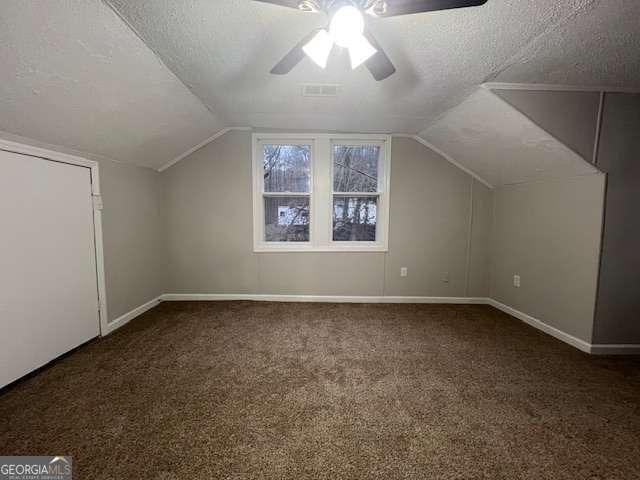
(310,6)
(375,7)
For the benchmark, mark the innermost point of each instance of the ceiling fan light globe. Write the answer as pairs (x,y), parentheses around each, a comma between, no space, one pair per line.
(346,26)
(360,51)
(319,48)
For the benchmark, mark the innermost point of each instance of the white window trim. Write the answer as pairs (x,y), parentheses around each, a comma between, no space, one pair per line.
(321,193)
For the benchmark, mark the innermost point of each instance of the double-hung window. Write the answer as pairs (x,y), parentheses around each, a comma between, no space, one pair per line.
(321,192)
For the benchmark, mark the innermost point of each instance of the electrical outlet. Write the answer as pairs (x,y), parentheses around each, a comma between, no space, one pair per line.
(404,272)
(516,281)
(445,277)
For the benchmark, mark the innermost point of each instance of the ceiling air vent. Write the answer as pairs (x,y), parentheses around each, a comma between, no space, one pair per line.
(320,90)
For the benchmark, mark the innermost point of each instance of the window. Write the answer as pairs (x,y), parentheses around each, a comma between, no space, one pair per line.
(320,192)
(355,191)
(286,170)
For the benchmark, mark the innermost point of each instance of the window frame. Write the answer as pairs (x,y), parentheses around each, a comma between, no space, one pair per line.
(321,193)
(259,194)
(378,194)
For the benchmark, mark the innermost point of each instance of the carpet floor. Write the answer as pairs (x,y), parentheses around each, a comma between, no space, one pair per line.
(250,390)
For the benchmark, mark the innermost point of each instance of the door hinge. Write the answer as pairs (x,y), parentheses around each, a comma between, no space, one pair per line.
(97,201)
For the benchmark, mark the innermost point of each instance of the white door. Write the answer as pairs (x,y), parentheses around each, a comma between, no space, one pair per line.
(48,282)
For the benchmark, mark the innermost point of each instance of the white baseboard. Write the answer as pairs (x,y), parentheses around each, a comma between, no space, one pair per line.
(540,325)
(127,317)
(592,348)
(595,349)
(317,298)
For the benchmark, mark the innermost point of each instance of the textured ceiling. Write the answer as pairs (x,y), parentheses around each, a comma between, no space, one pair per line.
(597,45)
(72,74)
(501,145)
(223,51)
(571,117)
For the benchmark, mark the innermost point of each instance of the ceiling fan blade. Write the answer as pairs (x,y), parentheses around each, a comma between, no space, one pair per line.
(407,7)
(283,3)
(294,57)
(379,64)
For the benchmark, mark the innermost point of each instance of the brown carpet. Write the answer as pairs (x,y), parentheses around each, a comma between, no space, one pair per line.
(242,390)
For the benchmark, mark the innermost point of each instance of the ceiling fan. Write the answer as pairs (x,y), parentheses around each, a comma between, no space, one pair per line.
(346,29)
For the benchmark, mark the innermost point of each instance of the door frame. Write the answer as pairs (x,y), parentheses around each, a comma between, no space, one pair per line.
(51,155)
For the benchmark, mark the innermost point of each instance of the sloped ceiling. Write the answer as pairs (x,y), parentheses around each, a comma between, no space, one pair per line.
(595,45)
(571,117)
(73,74)
(501,145)
(223,51)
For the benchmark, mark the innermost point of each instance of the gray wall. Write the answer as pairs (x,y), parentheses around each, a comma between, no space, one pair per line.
(207,202)
(571,117)
(133,235)
(480,241)
(549,234)
(618,309)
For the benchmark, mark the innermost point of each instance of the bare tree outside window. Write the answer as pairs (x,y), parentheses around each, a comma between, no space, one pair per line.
(287,168)
(354,219)
(320,192)
(355,169)
(286,219)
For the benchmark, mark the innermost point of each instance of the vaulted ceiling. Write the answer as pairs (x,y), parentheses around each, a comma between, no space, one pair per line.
(503,146)
(224,50)
(167,74)
(73,74)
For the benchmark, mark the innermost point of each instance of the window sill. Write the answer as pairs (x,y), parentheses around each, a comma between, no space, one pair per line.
(336,249)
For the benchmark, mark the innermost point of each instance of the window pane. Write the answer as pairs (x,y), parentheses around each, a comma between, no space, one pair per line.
(355,168)
(286,219)
(354,219)
(287,168)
